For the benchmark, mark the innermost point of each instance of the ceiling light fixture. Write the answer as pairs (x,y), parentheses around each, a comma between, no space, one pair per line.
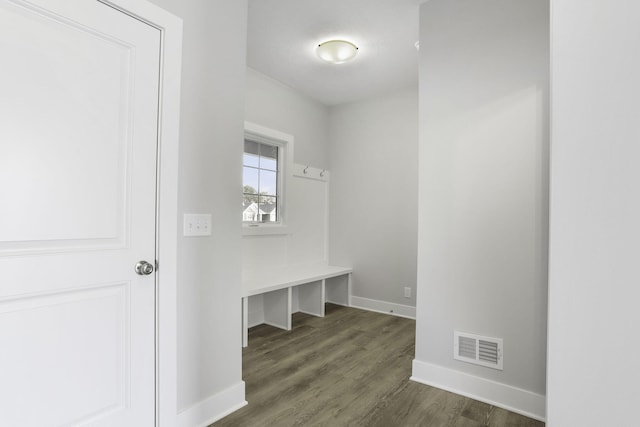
(337,51)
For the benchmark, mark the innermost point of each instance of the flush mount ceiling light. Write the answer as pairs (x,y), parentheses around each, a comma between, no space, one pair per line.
(337,51)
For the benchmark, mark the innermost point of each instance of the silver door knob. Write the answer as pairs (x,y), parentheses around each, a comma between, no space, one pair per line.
(144,268)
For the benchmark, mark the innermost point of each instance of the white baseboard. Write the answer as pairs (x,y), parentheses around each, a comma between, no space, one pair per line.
(214,408)
(384,307)
(511,398)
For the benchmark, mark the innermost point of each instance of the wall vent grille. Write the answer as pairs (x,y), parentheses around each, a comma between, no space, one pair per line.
(477,349)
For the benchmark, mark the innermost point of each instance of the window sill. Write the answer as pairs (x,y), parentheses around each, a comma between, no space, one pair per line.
(265,230)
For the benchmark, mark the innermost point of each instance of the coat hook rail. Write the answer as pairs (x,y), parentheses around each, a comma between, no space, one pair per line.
(309,172)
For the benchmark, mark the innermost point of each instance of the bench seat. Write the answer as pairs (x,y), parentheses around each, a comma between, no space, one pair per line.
(313,290)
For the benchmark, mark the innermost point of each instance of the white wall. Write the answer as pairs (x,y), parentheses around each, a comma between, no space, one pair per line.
(483,185)
(373,197)
(209,268)
(594,290)
(278,107)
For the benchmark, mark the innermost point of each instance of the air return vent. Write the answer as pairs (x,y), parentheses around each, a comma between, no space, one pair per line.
(476,349)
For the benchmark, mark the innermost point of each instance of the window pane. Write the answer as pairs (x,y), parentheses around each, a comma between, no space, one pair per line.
(251,153)
(268,183)
(248,199)
(251,147)
(250,211)
(268,163)
(260,182)
(268,157)
(268,209)
(250,180)
(250,160)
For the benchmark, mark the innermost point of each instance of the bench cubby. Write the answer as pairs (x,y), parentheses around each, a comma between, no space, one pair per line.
(271,297)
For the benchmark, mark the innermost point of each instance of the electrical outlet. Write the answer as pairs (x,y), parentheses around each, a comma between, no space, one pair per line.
(197,225)
(407,292)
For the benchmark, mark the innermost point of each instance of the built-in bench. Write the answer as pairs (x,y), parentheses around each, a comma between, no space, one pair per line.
(284,291)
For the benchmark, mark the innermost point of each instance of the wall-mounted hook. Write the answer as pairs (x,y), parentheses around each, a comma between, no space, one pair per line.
(304,171)
(323,171)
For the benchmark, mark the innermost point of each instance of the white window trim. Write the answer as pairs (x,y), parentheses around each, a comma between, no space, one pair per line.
(255,132)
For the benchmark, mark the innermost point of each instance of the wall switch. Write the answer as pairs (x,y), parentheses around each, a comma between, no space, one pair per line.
(197,225)
(407,292)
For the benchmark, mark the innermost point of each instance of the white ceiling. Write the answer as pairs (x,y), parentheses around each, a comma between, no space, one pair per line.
(283,35)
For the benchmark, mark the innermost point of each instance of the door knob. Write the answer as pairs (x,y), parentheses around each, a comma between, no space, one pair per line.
(144,268)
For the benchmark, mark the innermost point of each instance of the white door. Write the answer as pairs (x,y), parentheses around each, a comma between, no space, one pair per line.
(78,138)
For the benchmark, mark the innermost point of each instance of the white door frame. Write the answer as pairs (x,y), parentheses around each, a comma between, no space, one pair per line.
(170,28)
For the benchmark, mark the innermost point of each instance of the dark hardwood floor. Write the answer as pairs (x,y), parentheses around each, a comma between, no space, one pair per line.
(350,368)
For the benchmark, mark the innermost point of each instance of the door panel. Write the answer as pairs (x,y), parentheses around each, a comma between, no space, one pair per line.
(78,146)
(92,358)
(53,86)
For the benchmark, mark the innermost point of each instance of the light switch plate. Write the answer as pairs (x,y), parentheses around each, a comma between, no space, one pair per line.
(197,225)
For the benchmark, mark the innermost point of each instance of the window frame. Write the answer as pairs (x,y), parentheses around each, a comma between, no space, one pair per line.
(284,142)
(279,159)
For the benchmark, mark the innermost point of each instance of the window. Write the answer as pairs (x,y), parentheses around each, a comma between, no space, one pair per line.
(266,161)
(261,178)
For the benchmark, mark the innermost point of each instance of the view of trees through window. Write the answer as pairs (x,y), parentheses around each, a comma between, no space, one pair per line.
(260,176)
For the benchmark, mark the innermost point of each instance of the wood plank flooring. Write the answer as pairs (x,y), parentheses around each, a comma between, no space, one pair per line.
(350,368)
